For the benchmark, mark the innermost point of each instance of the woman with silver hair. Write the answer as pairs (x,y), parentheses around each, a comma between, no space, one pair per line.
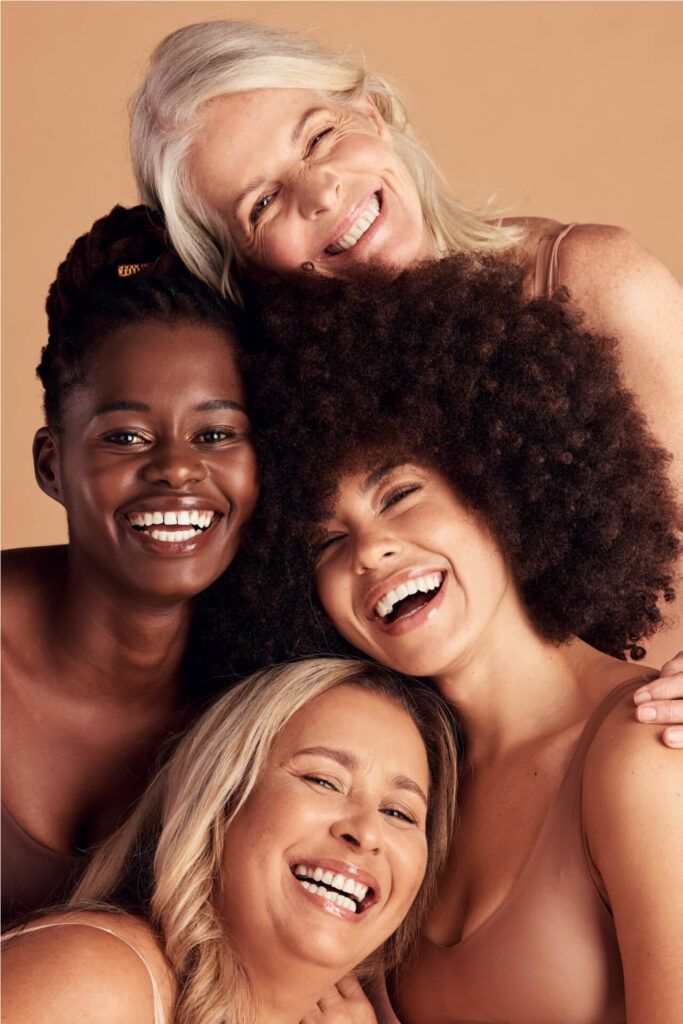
(295,834)
(269,153)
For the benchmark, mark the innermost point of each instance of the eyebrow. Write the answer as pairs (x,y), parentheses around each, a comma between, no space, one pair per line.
(352,763)
(296,134)
(378,475)
(128,406)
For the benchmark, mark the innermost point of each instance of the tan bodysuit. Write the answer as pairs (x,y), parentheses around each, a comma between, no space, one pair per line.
(549,953)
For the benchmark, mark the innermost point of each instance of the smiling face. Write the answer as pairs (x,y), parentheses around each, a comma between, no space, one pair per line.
(325,858)
(298,180)
(153,463)
(407,574)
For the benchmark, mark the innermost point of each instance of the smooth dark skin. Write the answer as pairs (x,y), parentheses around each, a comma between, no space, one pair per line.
(94,632)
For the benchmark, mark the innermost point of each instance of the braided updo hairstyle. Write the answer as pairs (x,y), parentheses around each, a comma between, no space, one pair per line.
(122,271)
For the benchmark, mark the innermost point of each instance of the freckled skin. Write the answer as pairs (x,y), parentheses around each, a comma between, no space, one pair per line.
(307,806)
(306,189)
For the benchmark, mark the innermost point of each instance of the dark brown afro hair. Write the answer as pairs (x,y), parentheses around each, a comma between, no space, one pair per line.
(518,405)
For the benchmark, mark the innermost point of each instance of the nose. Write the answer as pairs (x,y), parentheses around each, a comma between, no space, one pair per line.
(174,464)
(360,828)
(319,192)
(372,549)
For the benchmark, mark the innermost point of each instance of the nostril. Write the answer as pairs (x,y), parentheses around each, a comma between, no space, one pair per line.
(350,839)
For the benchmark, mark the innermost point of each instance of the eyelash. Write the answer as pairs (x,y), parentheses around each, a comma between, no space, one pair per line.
(266,200)
(401,492)
(115,437)
(390,812)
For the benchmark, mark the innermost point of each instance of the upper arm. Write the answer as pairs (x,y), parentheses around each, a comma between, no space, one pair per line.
(626,292)
(75,973)
(633,815)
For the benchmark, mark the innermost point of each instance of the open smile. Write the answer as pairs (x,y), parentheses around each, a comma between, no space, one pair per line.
(359,227)
(339,889)
(406,600)
(175,529)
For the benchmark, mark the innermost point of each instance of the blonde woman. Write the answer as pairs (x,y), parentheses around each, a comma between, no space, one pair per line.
(269,153)
(299,825)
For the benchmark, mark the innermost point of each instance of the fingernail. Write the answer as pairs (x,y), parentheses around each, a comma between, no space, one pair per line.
(642,696)
(646,714)
(674,737)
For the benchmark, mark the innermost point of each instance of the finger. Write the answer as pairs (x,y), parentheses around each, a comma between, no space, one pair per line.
(666,712)
(351,988)
(667,688)
(674,665)
(673,738)
(332,997)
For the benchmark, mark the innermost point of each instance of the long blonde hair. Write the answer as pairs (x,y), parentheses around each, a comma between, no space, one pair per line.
(200,62)
(165,861)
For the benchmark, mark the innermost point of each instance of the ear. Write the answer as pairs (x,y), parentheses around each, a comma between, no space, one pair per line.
(46,464)
(370,109)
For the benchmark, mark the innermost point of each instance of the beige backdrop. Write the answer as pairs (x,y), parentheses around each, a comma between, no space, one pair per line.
(569,110)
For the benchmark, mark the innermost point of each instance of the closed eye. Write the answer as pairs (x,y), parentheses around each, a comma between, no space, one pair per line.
(326,543)
(398,494)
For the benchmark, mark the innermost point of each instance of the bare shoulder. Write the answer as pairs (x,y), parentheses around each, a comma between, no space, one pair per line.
(86,967)
(25,569)
(613,279)
(630,777)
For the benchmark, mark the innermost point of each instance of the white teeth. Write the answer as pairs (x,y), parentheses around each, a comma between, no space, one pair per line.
(308,876)
(158,518)
(176,536)
(170,519)
(423,583)
(183,519)
(368,217)
(148,518)
(194,517)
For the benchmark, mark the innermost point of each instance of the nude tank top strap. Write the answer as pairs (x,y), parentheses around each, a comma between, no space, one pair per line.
(546,278)
(159,1016)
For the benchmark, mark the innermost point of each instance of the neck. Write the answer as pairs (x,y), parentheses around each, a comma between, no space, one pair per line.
(115,644)
(515,686)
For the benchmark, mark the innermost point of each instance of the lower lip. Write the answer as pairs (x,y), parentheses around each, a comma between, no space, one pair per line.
(362,242)
(169,548)
(417,619)
(332,908)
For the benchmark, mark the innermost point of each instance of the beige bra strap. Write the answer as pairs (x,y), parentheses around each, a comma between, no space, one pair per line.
(547,262)
(159,1016)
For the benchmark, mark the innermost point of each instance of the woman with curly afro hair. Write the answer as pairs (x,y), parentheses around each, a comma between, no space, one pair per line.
(463,490)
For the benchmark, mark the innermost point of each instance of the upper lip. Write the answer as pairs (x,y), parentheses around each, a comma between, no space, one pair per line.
(341,867)
(170,503)
(393,581)
(350,219)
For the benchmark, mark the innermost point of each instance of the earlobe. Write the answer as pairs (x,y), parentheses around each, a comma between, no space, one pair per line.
(46,464)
